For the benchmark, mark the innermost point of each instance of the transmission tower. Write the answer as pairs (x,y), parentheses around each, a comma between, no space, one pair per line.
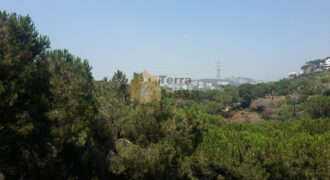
(218,69)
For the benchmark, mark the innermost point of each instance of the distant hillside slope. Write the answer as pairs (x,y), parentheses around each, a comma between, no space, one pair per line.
(227,81)
(308,84)
(316,65)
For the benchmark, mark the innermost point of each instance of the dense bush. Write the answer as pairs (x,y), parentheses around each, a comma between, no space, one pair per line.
(271,150)
(318,107)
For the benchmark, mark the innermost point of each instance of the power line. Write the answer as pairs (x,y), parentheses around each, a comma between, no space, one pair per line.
(218,67)
(187,66)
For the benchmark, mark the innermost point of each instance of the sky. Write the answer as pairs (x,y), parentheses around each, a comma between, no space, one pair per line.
(259,39)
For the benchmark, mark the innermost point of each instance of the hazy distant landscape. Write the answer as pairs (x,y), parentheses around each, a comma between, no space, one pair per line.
(58,121)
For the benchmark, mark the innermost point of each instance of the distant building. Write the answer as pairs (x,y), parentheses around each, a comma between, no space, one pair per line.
(318,65)
(194,83)
(327,64)
(295,74)
(292,75)
(209,86)
(223,83)
(201,85)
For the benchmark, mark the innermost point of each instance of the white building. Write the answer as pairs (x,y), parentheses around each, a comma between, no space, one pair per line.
(194,83)
(327,64)
(223,83)
(201,85)
(209,86)
(294,74)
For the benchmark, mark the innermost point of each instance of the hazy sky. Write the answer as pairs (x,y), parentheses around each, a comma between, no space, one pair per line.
(261,39)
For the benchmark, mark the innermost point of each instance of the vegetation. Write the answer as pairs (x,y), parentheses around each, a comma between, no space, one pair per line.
(269,150)
(57,122)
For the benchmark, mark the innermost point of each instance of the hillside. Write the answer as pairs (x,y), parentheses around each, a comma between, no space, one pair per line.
(310,67)
(284,99)
(309,84)
(228,81)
